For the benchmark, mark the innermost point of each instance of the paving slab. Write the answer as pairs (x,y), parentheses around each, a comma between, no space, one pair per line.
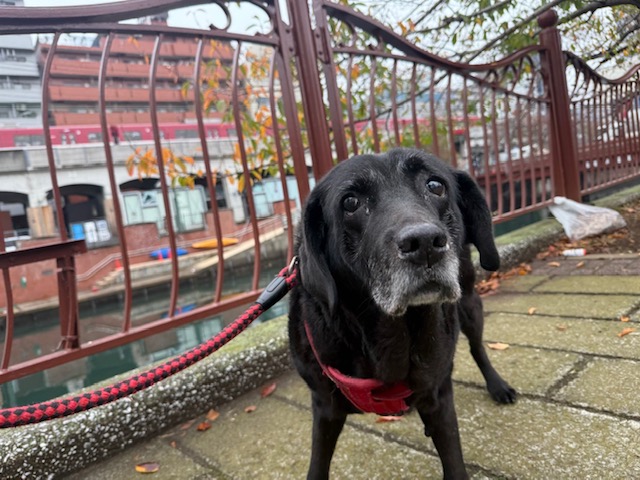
(564,304)
(528,370)
(521,284)
(597,337)
(606,384)
(601,285)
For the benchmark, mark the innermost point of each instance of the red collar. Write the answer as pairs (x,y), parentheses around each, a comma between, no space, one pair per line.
(366,394)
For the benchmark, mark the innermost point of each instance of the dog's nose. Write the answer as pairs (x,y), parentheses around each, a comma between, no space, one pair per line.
(423,244)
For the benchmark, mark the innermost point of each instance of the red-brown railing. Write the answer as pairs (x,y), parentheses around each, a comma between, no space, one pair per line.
(347,85)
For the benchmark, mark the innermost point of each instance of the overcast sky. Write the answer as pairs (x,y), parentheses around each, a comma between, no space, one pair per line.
(62,3)
(200,16)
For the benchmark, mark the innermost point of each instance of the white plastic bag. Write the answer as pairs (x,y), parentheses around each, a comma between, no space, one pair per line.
(580,220)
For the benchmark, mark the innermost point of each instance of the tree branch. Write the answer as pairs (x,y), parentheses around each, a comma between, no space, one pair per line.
(593,6)
(513,29)
(462,18)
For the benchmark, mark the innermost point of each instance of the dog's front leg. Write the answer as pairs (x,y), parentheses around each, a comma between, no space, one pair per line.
(328,421)
(441,424)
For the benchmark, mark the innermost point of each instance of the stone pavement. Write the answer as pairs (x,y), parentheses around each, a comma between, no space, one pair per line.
(577,416)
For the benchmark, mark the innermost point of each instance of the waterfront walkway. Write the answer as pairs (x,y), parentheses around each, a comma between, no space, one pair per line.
(565,349)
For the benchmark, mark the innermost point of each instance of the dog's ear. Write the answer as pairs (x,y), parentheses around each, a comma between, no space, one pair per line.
(314,269)
(477,221)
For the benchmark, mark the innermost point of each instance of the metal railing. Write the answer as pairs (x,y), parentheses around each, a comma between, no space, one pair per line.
(296,93)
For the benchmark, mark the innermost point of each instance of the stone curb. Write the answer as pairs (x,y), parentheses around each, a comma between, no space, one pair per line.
(34,451)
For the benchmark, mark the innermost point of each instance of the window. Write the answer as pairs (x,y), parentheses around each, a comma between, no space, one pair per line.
(183,133)
(94,137)
(132,135)
(28,140)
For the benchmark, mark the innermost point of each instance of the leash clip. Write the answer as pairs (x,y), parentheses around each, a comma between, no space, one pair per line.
(277,288)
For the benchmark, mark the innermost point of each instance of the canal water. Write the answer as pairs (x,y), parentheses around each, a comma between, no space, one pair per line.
(39,332)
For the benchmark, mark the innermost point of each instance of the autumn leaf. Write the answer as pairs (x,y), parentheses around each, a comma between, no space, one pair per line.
(532,310)
(498,346)
(212,415)
(553,264)
(580,264)
(388,418)
(562,328)
(268,390)
(250,409)
(203,426)
(626,331)
(147,467)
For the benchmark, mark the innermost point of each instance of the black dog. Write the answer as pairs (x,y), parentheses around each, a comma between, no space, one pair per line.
(385,281)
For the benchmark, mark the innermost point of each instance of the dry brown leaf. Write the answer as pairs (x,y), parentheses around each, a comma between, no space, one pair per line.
(147,467)
(212,415)
(625,318)
(580,264)
(268,390)
(388,418)
(498,346)
(524,269)
(532,310)
(250,409)
(204,426)
(562,328)
(553,264)
(174,444)
(626,331)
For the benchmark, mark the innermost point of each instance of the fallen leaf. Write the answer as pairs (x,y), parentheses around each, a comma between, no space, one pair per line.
(268,390)
(532,310)
(498,346)
(626,331)
(204,426)
(388,418)
(173,444)
(250,409)
(524,269)
(147,467)
(562,328)
(553,264)
(625,318)
(212,415)
(580,264)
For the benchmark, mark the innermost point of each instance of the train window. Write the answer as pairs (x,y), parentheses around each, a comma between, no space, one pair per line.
(94,137)
(28,140)
(184,133)
(132,135)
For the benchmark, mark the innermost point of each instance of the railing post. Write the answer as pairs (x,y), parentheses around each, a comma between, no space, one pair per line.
(563,145)
(311,88)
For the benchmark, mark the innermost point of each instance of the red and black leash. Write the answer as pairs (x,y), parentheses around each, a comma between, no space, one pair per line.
(40,412)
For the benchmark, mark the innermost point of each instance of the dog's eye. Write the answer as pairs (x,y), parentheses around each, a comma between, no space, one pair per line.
(350,204)
(436,187)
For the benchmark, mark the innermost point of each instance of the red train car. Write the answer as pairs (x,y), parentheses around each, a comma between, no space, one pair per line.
(82,134)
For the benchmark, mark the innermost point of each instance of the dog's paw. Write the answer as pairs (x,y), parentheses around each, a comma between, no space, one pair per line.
(502,392)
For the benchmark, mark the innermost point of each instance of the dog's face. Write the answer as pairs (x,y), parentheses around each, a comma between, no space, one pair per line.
(393,226)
